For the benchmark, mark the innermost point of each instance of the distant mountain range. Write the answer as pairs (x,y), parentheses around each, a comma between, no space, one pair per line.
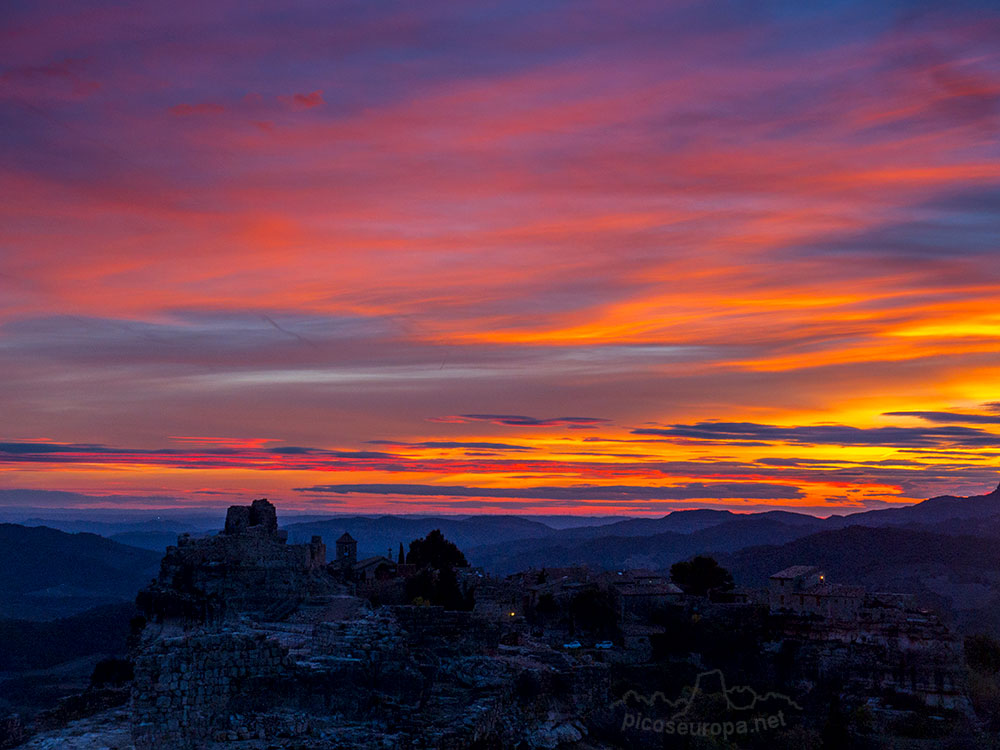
(45,574)
(616,551)
(659,542)
(934,511)
(940,549)
(382,535)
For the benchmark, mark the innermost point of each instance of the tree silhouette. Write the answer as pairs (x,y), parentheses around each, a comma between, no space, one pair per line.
(700,575)
(436,552)
(435,581)
(836,733)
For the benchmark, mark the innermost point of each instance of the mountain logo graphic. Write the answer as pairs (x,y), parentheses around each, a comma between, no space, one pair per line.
(706,685)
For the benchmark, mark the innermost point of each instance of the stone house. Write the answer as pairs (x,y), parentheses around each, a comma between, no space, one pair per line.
(836,601)
(349,569)
(784,583)
(639,593)
(803,590)
(375,568)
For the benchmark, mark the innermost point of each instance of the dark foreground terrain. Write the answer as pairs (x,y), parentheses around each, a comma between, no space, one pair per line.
(250,638)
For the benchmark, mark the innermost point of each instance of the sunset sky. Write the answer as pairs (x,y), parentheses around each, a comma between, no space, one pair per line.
(526,257)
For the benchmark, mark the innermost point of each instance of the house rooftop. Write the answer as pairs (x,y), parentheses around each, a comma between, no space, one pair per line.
(796,571)
(654,589)
(370,561)
(640,573)
(836,589)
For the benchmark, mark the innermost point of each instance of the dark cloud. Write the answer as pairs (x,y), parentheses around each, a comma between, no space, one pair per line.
(205,457)
(26,498)
(916,241)
(515,420)
(947,417)
(620,493)
(833,463)
(972,203)
(454,444)
(959,225)
(16,449)
(299,451)
(750,433)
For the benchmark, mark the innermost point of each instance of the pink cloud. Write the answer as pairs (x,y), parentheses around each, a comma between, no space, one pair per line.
(202,108)
(59,81)
(303,101)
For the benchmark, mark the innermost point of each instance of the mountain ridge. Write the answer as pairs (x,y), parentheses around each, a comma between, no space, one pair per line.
(46,573)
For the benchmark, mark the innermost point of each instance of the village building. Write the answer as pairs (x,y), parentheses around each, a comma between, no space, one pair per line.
(347,550)
(804,590)
(885,639)
(641,592)
(349,569)
(377,568)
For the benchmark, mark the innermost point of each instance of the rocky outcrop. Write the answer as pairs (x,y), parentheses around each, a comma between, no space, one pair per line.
(12,731)
(358,683)
(252,643)
(890,646)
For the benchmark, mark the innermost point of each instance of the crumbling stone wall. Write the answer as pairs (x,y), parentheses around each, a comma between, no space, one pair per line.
(378,632)
(187,687)
(433,624)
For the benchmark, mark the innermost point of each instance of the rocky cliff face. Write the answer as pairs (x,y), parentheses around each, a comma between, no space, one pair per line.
(250,644)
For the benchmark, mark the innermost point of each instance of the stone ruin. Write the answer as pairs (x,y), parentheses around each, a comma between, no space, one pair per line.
(248,568)
(260,518)
(253,643)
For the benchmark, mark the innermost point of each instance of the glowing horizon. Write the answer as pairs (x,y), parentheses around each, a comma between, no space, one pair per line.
(528,258)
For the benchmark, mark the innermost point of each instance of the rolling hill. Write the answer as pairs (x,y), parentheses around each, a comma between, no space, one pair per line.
(657,551)
(45,574)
